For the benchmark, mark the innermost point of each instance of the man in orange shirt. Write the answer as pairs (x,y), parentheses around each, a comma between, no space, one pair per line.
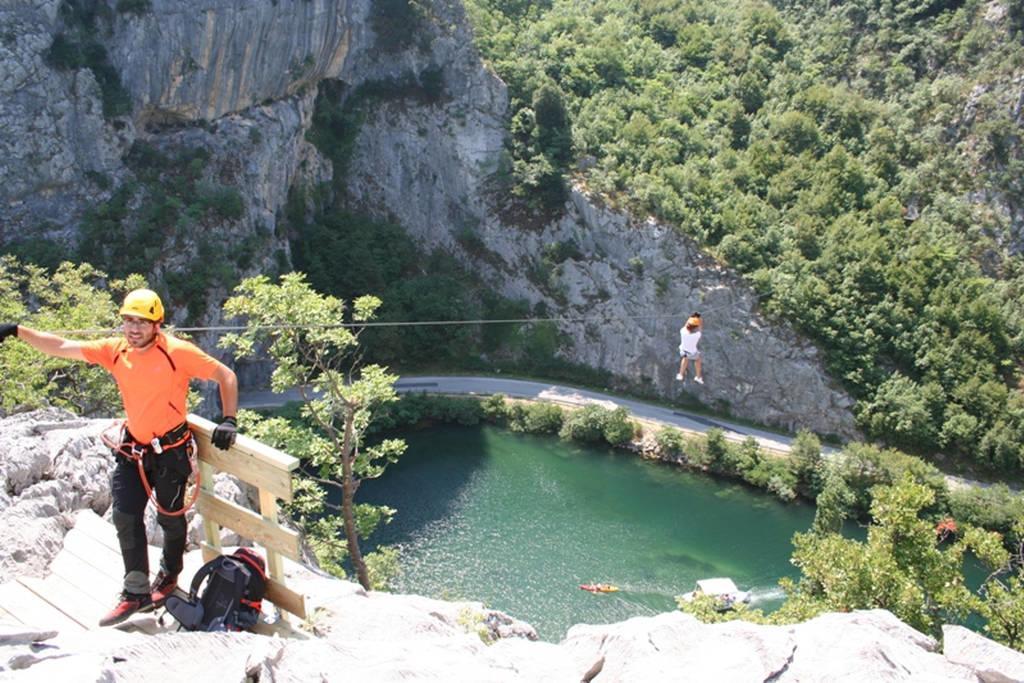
(152,372)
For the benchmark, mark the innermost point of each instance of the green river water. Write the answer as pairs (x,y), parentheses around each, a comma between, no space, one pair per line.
(518,522)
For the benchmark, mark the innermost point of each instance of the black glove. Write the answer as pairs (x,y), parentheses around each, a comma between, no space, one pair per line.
(8,330)
(224,434)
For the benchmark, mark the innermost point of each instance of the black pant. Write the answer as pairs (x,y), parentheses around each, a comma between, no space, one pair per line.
(167,474)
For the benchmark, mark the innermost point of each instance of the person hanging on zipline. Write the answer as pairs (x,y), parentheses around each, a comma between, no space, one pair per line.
(689,335)
(152,371)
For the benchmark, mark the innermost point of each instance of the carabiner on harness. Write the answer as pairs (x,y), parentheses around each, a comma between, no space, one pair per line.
(136,451)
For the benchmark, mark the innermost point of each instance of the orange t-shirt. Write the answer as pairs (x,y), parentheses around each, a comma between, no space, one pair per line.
(153,382)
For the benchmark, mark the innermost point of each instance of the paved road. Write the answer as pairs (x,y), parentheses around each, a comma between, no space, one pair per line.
(555,393)
(543,391)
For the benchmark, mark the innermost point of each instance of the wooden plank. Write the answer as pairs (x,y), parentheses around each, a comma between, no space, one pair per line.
(211,530)
(250,525)
(285,598)
(278,593)
(8,618)
(275,564)
(106,536)
(242,463)
(243,444)
(73,601)
(105,558)
(209,551)
(93,526)
(268,509)
(101,585)
(92,552)
(30,609)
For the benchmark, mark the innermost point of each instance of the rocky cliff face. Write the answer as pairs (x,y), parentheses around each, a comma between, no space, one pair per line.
(55,470)
(629,283)
(54,135)
(235,78)
(203,59)
(238,80)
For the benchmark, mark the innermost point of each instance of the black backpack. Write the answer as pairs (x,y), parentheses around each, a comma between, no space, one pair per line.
(232,598)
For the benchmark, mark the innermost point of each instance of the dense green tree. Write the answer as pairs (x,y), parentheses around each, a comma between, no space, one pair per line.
(903,565)
(901,412)
(72,298)
(806,463)
(594,423)
(834,505)
(823,149)
(554,133)
(302,332)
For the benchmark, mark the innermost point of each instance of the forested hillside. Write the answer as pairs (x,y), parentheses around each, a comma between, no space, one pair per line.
(860,162)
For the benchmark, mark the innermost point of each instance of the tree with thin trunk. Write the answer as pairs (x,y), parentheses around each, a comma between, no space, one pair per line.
(313,341)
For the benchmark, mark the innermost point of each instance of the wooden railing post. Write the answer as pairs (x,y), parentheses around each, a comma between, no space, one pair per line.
(269,470)
(275,565)
(211,530)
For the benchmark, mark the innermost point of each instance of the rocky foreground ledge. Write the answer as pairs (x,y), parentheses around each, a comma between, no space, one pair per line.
(52,465)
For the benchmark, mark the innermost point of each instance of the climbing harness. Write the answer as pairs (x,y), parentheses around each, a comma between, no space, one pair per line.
(132,450)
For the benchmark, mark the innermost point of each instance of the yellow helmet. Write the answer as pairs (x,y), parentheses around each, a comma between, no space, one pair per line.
(143,303)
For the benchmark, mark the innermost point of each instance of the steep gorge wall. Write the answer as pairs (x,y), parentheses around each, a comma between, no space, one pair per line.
(238,79)
(203,59)
(54,134)
(198,73)
(427,166)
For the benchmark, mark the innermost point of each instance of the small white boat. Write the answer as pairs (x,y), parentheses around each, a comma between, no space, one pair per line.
(723,589)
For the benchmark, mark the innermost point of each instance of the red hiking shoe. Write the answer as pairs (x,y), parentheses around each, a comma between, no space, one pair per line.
(129,604)
(163,585)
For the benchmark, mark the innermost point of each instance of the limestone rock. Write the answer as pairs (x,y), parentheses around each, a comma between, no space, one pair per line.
(56,143)
(385,615)
(658,648)
(867,646)
(859,646)
(202,59)
(53,464)
(990,661)
(179,62)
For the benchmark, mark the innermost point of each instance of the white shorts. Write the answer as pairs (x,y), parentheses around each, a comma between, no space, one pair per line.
(689,354)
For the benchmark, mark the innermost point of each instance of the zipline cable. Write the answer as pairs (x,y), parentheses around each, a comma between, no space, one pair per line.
(395,323)
(424,323)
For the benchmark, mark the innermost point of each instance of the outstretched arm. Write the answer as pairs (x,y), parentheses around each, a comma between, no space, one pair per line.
(50,344)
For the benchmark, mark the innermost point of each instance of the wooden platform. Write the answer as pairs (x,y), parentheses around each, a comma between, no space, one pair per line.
(84,583)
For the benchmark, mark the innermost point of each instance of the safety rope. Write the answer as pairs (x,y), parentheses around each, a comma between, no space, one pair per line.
(136,454)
